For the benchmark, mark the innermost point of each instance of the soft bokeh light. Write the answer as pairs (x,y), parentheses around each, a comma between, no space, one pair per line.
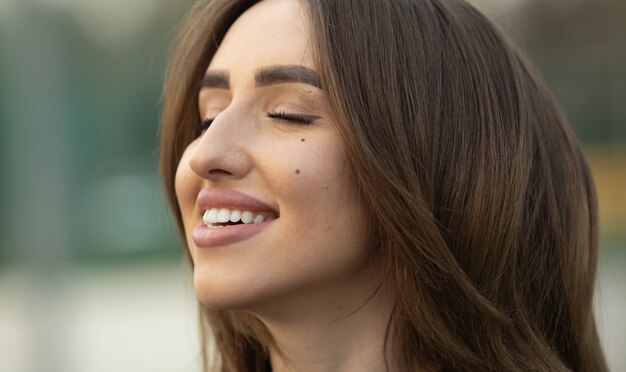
(108,23)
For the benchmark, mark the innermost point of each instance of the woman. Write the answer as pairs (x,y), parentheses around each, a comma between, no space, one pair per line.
(376,185)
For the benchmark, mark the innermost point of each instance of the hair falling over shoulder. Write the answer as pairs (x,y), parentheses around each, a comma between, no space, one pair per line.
(482,205)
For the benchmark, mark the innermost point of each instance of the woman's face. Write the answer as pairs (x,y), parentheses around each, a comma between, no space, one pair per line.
(272,139)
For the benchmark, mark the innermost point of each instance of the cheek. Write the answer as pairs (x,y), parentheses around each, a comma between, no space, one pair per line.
(317,195)
(308,173)
(185,184)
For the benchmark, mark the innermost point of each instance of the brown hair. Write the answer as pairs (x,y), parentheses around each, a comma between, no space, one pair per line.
(482,206)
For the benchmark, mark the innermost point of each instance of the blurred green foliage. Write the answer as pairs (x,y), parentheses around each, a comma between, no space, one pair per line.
(80,113)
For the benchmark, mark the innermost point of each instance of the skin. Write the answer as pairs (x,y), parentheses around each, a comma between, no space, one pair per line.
(305,276)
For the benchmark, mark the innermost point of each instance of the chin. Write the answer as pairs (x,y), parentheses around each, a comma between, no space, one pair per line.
(217,296)
(225,295)
(221,300)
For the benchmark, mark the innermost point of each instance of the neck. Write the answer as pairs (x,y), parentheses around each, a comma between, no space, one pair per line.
(341,328)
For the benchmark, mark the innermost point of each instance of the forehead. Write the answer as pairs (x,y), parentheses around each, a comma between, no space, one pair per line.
(270,32)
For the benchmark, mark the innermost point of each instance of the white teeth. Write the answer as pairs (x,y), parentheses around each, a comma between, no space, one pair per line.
(205,217)
(210,216)
(246,217)
(221,215)
(235,215)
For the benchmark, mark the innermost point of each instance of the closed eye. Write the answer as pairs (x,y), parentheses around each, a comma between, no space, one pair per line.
(200,127)
(292,118)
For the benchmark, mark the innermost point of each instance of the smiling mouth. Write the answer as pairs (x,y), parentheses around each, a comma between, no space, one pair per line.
(220,217)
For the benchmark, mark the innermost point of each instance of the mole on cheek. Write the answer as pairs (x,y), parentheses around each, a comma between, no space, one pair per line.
(302,140)
(297,171)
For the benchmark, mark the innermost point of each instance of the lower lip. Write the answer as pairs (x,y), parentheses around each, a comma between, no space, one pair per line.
(204,236)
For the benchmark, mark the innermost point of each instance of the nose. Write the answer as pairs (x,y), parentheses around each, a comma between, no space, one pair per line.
(221,152)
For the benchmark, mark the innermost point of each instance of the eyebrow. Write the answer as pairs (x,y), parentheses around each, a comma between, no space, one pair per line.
(267,75)
(216,79)
(286,74)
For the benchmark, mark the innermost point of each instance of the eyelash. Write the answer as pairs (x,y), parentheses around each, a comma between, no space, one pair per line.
(198,128)
(276,115)
(291,118)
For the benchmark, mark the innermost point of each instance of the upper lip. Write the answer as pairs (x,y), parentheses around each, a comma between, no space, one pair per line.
(231,199)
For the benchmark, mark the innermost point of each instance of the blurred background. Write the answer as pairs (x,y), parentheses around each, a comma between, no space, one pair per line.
(91,274)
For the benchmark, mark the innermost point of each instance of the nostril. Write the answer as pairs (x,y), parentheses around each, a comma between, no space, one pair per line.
(218,172)
(220,161)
